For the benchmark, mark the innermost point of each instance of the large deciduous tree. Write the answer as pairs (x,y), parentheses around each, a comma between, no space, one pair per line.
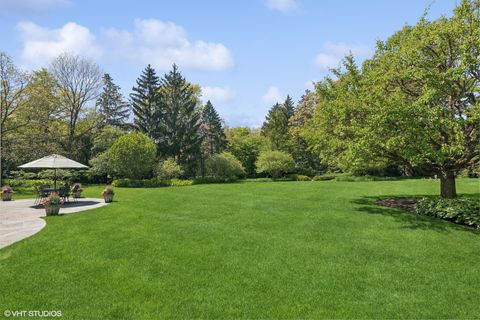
(79,81)
(43,113)
(306,161)
(415,103)
(12,95)
(246,144)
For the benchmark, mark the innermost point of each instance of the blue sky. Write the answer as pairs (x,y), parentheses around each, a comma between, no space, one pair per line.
(246,55)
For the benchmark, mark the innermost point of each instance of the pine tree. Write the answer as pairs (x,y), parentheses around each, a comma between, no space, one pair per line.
(112,105)
(180,126)
(214,139)
(146,103)
(289,107)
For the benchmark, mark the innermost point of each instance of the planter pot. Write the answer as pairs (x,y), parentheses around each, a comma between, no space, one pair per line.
(52,210)
(108,198)
(7,196)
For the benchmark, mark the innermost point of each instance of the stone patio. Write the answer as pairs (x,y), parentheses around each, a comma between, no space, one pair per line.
(20,219)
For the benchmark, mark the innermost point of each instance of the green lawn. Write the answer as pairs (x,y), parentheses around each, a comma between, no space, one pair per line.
(249,250)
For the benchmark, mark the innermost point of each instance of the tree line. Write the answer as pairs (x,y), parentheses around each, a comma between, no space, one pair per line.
(411,109)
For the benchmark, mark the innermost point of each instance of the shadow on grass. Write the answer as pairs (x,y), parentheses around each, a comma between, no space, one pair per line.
(71,204)
(408,220)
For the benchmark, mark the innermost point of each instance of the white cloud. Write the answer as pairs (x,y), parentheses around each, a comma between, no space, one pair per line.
(327,61)
(282,5)
(164,43)
(22,6)
(151,41)
(41,45)
(333,53)
(272,96)
(217,95)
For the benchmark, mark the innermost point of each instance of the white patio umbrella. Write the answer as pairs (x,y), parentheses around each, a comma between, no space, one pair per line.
(54,161)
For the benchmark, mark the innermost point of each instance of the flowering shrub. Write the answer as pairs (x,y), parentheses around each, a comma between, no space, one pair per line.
(53,200)
(108,190)
(169,169)
(6,189)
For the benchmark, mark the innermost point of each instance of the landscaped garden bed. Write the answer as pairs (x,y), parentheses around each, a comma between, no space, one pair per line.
(463,210)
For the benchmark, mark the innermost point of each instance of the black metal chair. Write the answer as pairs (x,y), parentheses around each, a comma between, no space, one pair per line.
(41,194)
(64,193)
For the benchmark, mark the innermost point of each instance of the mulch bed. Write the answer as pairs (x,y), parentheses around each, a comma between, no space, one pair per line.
(407,204)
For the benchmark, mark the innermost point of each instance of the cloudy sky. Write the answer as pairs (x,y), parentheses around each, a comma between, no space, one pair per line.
(246,54)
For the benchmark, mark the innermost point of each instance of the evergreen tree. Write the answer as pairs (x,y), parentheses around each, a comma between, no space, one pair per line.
(180,126)
(214,139)
(276,125)
(289,107)
(112,105)
(145,103)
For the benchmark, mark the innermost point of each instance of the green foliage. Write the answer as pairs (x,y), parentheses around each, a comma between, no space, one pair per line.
(105,139)
(23,183)
(180,123)
(275,127)
(415,103)
(301,177)
(323,178)
(158,183)
(306,161)
(224,165)
(132,155)
(112,105)
(180,183)
(53,200)
(275,163)
(246,144)
(169,169)
(350,178)
(145,103)
(108,190)
(51,173)
(214,139)
(140,183)
(101,165)
(461,210)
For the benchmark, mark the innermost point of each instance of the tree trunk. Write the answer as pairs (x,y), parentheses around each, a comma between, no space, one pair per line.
(447,185)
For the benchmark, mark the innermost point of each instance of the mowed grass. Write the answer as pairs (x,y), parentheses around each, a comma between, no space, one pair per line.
(249,250)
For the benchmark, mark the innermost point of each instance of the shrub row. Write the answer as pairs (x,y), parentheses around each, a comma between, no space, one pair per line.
(26,183)
(461,210)
(157,182)
(349,178)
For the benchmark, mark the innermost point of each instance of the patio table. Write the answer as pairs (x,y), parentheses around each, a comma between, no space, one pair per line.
(50,190)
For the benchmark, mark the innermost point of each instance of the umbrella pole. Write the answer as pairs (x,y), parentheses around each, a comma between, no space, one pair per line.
(55,180)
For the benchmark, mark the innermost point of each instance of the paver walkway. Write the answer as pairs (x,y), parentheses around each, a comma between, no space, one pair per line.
(20,219)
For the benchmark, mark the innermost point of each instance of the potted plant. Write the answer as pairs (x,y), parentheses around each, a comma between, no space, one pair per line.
(77,190)
(6,193)
(108,193)
(52,204)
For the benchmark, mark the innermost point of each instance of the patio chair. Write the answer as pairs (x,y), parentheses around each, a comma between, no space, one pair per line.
(41,194)
(76,191)
(64,193)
